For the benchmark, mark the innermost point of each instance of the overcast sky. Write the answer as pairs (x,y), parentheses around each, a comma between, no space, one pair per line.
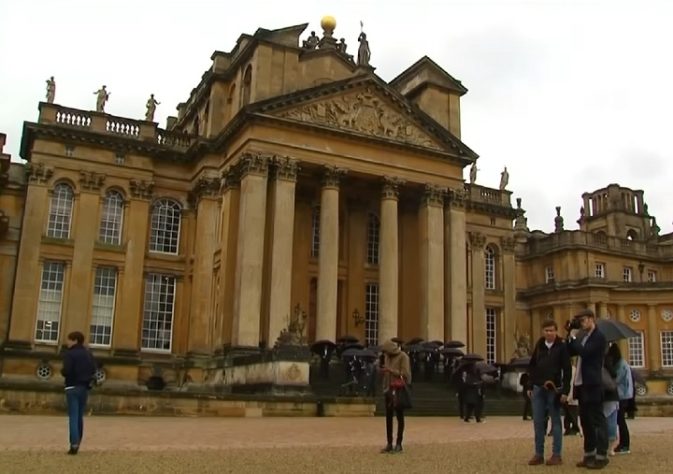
(570,95)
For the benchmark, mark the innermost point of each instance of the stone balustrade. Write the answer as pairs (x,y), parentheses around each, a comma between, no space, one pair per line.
(483,194)
(112,125)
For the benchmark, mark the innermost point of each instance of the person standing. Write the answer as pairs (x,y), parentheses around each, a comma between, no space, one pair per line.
(588,388)
(396,378)
(570,408)
(79,370)
(625,391)
(523,381)
(548,387)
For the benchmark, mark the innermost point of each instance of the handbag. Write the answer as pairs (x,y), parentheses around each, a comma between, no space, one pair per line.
(609,384)
(400,394)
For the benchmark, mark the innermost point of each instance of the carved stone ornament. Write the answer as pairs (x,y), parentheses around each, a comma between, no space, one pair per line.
(141,189)
(253,163)
(477,240)
(456,197)
(433,195)
(231,178)
(205,186)
(507,244)
(390,189)
(38,172)
(90,180)
(366,112)
(332,176)
(286,168)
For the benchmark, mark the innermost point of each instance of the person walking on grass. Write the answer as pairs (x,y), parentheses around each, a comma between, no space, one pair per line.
(548,387)
(79,370)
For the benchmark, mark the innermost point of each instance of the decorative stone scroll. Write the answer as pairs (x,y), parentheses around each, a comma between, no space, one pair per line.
(390,189)
(332,176)
(205,186)
(433,195)
(456,197)
(141,189)
(91,181)
(231,178)
(286,168)
(507,244)
(366,112)
(38,173)
(477,240)
(253,163)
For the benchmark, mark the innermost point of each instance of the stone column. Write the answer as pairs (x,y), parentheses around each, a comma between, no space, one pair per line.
(602,309)
(431,233)
(205,193)
(250,252)
(455,268)
(28,268)
(653,339)
(280,300)
(78,299)
(508,318)
(477,243)
(328,258)
(388,265)
(128,316)
(621,317)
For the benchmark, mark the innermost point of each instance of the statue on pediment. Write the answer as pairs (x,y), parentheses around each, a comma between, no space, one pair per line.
(311,42)
(151,108)
(51,90)
(102,96)
(504,179)
(473,173)
(364,53)
(341,45)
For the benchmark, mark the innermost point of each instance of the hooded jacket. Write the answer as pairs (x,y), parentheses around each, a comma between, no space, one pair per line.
(397,363)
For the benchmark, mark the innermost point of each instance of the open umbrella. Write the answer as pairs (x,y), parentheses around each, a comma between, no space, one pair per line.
(366,354)
(437,342)
(615,330)
(398,340)
(431,346)
(352,352)
(414,348)
(353,345)
(519,362)
(472,358)
(453,344)
(415,340)
(323,348)
(486,368)
(452,352)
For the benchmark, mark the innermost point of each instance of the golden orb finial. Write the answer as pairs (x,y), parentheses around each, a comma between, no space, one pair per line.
(328,23)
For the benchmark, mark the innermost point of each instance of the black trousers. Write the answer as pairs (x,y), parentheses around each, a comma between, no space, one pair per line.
(570,418)
(526,406)
(595,427)
(399,413)
(624,436)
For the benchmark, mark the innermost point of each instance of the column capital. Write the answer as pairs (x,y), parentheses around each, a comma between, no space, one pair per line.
(433,195)
(230,178)
(390,189)
(205,186)
(141,189)
(477,240)
(507,244)
(90,180)
(286,168)
(456,197)
(39,173)
(253,163)
(332,176)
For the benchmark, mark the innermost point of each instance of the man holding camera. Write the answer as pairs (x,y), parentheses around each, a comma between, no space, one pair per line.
(548,387)
(590,345)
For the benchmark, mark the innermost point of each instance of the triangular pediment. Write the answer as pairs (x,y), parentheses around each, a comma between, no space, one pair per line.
(367,108)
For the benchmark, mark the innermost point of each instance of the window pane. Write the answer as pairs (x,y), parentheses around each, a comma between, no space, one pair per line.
(372,314)
(165,227)
(102,314)
(637,350)
(315,231)
(489,260)
(111,219)
(60,212)
(158,312)
(667,348)
(373,228)
(491,331)
(49,302)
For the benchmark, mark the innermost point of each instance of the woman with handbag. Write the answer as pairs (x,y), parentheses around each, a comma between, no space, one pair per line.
(396,379)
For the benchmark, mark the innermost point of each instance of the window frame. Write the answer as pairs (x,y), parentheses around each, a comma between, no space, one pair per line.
(627,274)
(50,267)
(491,316)
(490,268)
(666,348)
(373,238)
(157,244)
(116,220)
(599,270)
(112,309)
(632,347)
(157,316)
(59,220)
(371,332)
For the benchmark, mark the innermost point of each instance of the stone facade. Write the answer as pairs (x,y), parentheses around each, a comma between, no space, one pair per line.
(291,178)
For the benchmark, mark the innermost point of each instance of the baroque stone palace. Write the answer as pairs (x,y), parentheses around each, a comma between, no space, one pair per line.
(295,181)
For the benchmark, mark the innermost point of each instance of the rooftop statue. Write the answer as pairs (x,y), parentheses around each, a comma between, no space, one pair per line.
(473,173)
(102,96)
(504,179)
(311,42)
(51,90)
(364,54)
(151,108)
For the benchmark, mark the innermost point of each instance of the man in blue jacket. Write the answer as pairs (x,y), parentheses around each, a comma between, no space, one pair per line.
(78,370)
(548,387)
(590,345)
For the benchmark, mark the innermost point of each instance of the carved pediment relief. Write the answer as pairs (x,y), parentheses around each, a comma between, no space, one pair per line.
(364,111)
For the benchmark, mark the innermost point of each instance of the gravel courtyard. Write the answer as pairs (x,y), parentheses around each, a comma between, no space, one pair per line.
(37,444)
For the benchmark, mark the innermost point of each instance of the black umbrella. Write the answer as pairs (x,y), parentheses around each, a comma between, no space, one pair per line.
(472,358)
(486,368)
(415,340)
(348,338)
(437,343)
(431,346)
(353,345)
(366,354)
(398,340)
(323,348)
(522,362)
(453,344)
(352,352)
(415,348)
(615,330)
(452,352)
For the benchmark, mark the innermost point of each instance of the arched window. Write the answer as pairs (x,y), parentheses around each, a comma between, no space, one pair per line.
(60,212)
(489,266)
(165,226)
(315,231)
(111,218)
(247,84)
(373,228)
(632,234)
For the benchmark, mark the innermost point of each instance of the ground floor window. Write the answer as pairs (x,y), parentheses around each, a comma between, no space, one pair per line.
(491,332)
(103,309)
(372,314)
(637,350)
(158,312)
(667,348)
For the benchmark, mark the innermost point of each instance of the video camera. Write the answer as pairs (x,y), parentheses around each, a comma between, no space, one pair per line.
(574,323)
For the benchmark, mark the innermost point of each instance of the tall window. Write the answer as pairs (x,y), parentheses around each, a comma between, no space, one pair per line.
(651,276)
(158,312)
(489,259)
(372,314)
(637,350)
(667,348)
(628,274)
(549,274)
(102,314)
(49,303)
(60,212)
(111,220)
(600,270)
(165,236)
(247,85)
(373,228)
(491,331)
(315,231)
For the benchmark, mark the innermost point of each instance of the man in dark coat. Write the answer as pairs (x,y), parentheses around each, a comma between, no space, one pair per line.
(590,345)
(79,370)
(548,387)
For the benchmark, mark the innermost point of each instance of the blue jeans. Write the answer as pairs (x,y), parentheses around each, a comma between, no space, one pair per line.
(546,403)
(76,400)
